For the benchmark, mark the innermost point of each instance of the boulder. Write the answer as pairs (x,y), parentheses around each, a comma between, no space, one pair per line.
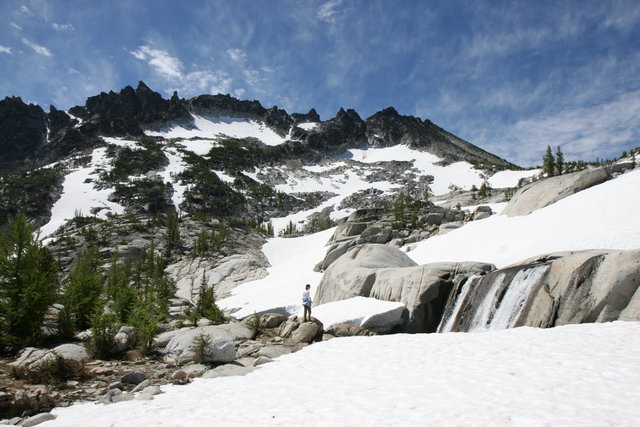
(344,330)
(134,378)
(354,272)
(31,357)
(371,313)
(262,360)
(183,347)
(272,320)
(273,351)
(38,419)
(542,193)
(227,371)
(163,339)
(388,274)
(306,332)
(125,339)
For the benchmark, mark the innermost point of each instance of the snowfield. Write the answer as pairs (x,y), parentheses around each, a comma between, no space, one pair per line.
(221,127)
(79,195)
(577,375)
(292,261)
(601,217)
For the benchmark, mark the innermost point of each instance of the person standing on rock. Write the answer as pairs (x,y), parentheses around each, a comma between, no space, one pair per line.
(306,303)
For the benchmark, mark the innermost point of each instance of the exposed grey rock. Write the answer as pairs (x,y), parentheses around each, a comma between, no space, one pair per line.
(149,392)
(227,371)
(141,386)
(555,289)
(163,339)
(203,322)
(125,339)
(481,215)
(287,328)
(342,330)
(196,370)
(542,193)
(133,377)
(386,273)
(38,419)
(182,347)
(306,332)
(274,351)
(450,226)
(31,357)
(261,360)
(122,397)
(179,377)
(272,320)
(223,275)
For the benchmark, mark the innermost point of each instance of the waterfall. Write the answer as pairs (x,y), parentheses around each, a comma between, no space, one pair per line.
(448,322)
(494,301)
(511,305)
(482,315)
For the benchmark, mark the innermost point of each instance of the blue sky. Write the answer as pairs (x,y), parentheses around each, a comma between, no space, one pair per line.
(511,77)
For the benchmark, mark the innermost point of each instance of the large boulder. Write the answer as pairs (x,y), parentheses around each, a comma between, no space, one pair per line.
(31,357)
(206,343)
(549,290)
(369,313)
(386,273)
(542,193)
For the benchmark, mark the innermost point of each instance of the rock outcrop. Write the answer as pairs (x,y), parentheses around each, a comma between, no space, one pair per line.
(542,193)
(550,290)
(386,273)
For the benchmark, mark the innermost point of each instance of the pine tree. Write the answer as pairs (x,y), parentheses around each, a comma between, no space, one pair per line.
(548,162)
(559,161)
(28,281)
(84,288)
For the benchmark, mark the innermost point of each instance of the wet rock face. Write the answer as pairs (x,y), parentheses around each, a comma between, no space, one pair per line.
(547,291)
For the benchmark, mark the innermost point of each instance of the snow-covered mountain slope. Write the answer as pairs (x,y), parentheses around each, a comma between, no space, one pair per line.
(601,217)
(222,127)
(344,175)
(523,376)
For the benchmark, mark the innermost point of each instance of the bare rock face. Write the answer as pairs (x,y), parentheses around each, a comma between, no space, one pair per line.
(386,273)
(539,194)
(549,290)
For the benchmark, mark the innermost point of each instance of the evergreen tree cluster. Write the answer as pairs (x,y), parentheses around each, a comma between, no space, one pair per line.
(551,165)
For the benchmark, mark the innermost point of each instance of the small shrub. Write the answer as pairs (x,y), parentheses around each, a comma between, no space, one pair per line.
(201,342)
(55,369)
(104,329)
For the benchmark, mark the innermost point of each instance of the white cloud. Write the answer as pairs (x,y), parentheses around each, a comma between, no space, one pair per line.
(159,59)
(237,55)
(583,132)
(26,10)
(16,26)
(40,50)
(4,49)
(328,11)
(63,27)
